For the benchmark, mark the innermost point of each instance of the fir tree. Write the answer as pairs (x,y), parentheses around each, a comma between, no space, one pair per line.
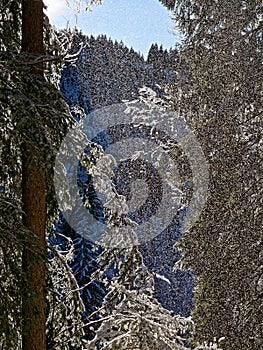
(130,317)
(222,47)
(34,119)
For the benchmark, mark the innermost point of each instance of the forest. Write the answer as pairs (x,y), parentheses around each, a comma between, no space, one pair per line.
(131,186)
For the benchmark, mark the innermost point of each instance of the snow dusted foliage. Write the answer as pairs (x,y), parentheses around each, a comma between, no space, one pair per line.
(91,83)
(75,258)
(223,103)
(107,72)
(64,304)
(130,317)
(210,346)
(82,263)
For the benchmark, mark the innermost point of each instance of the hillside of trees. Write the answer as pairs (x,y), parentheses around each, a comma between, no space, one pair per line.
(131,73)
(93,83)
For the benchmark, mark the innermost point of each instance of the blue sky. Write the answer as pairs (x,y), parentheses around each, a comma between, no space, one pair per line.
(138,23)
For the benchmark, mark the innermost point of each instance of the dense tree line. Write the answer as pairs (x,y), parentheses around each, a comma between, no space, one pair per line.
(107,72)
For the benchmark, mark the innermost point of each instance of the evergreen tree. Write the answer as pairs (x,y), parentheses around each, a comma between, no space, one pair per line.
(221,99)
(130,318)
(34,119)
(152,54)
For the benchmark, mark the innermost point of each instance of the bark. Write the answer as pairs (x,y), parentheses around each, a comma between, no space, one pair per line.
(32,26)
(34,201)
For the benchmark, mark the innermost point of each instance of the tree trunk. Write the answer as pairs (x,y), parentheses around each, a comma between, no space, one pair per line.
(34,201)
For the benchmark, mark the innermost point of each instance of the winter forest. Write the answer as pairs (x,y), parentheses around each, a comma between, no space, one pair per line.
(131,186)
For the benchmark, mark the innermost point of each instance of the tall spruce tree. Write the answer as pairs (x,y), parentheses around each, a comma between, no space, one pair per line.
(34,119)
(222,101)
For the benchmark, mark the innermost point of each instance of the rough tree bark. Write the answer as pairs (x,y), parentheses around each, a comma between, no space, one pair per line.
(34,200)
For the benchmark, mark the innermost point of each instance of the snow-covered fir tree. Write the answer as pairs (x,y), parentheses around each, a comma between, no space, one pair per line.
(130,316)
